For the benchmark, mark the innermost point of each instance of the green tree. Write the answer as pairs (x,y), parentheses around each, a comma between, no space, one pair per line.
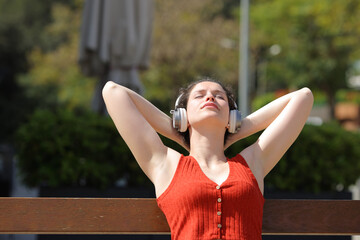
(187,43)
(21,29)
(318,40)
(54,75)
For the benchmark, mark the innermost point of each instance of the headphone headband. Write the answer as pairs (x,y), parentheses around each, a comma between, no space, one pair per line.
(178,100)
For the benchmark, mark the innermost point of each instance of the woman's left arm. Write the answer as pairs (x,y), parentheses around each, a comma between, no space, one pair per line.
(283,120)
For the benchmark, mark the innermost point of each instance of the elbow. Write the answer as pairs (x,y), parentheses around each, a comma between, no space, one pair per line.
(307,95)
(109,86)
(109,89)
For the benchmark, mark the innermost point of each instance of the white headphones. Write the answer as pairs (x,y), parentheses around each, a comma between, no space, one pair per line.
(180,118)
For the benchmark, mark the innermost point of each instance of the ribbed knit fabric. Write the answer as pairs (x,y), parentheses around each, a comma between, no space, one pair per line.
(197,208)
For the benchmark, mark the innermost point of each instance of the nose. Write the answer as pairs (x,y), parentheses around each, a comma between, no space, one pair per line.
(210,98)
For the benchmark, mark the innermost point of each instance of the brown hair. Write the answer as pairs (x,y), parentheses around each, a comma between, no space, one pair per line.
(184,97)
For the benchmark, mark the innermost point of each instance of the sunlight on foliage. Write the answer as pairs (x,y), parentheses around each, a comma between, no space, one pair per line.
(57,69)
(187,44)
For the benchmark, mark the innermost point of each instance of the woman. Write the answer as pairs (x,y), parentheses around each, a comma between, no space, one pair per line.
(206,195)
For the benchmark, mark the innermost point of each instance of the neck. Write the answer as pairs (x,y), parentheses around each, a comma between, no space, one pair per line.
(207,147)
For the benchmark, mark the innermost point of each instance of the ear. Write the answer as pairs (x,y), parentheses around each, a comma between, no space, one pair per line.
(228,122)
(187,119)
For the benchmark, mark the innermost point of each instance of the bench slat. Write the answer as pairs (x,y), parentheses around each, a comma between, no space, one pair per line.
(81,216)
(312,217)
(142,216)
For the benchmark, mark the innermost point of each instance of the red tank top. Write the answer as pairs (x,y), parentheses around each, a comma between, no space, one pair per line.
(197,208)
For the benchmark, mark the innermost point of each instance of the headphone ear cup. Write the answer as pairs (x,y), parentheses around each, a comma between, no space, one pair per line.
(184,121)
(234,121)
(180,119)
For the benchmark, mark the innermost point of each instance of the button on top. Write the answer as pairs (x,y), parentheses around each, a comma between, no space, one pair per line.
(219,200)
(218,187)
(219,225)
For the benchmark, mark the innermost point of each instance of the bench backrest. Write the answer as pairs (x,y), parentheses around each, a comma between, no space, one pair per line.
(142,216)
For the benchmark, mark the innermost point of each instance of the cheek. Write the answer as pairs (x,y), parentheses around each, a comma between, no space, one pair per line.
(191,111)
(226,117)
(190,114)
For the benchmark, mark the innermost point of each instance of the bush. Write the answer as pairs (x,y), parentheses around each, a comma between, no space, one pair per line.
(63,148)
(323,158)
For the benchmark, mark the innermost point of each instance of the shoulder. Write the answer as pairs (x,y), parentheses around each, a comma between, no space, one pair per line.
(254,164)
(251,158)
(237,158)
(239,161)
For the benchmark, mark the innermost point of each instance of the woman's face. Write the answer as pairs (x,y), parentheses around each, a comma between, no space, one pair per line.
(208,101)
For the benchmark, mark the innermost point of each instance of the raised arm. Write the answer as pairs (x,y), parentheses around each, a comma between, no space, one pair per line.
(137,121)
(283,120)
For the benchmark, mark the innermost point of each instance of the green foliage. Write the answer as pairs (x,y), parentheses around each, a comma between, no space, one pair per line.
(21,29)
(322,158)
(55,77)
(187,43)
(13,111)
(319,98)
(63,148)
(28,30)
(16,38)
(318,40)
(344,95)
(262,100)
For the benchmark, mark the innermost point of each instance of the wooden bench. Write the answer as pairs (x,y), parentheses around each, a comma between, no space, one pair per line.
(142,216)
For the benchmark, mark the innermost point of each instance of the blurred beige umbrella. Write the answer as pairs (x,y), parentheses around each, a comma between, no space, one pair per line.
(115,42)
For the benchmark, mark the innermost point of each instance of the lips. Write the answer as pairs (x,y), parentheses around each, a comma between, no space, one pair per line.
(210,104)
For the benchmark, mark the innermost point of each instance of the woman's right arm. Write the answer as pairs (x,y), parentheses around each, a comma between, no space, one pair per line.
(138,122)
